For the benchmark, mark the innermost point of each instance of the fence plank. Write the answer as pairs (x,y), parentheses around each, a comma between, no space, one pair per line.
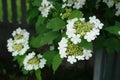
(5,11)
(117,68)
(23,10)
(98,65)
(109,66)
(14,12)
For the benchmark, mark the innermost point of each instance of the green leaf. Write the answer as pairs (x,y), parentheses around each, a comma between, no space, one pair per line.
(38,74)
(112,45)
(49,55)
(87,45)
(40,20)
(20,59)
(35,41)
(76,14)
(114,29)
(48,38)
(56,62)
(40,25)
(43,39)
(32,13)
(37,3)
(56,24)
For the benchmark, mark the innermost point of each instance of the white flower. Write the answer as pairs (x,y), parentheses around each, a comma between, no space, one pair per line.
(96,22)
(117,6)
(71,59)
(78,28)
(110,3)
(76,39)
(45,8)
(62,47)
(63,42)
(33,62)
(17,47)
(87,54)
(92,34)
(77,4)
(20,34)
(73,52)
(80,57)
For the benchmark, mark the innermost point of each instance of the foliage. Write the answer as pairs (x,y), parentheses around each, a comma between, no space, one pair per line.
(51,26)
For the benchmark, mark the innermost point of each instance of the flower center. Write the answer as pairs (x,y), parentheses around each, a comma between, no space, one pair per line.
(82,27)
(67,13)
(34,60)
(74,0)
(18,36)
(18,47)
(74,49)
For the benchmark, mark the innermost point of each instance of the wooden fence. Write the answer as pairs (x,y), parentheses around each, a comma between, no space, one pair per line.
(106,66)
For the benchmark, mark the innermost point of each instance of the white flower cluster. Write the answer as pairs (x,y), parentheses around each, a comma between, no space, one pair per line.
(97,25)
(77,4)
(75,33)
(111,3)
(72,52)
(75,38)
(33,62)
(45,8)
(117,6)
(18,45)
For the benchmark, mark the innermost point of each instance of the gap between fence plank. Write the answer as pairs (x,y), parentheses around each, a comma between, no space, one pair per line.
(14,12)
(23,10)
(5,11)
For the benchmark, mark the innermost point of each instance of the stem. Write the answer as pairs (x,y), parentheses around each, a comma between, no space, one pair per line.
(38,74)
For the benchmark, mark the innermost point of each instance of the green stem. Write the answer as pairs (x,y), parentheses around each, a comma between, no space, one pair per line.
(38,74)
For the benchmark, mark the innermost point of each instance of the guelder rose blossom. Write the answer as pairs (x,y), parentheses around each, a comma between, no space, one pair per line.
(17,47)
(77,4)
(19,44)
(73,52)
(111,3)
(34,62)
(20,34)
(88,30)
(45,8)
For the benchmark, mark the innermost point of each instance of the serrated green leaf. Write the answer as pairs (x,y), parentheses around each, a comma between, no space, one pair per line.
(56,62)
(40,25)
(87,45)
(32,13)
(113,29)
(76,14)
(37,3)
(48,37)
(112,44)
(56,24)
(43,39)
(35,41)
(40,21)
(49,55)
